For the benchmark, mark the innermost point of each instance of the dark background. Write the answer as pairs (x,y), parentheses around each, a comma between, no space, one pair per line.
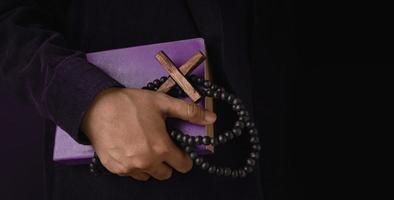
(306,55)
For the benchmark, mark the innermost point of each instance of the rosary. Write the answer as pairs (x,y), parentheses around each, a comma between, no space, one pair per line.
(178,84)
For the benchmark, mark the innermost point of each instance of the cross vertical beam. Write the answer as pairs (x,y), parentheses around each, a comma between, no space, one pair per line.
(177,76)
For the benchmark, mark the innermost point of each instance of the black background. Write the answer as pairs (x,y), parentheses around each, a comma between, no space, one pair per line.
(308,58)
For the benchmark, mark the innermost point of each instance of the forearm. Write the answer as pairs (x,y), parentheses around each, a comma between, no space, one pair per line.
(58,80)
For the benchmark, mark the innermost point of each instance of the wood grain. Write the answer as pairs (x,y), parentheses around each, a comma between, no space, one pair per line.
(185,69)
(177,76)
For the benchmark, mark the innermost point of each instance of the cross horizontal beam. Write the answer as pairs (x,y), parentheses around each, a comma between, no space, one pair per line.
(177,76)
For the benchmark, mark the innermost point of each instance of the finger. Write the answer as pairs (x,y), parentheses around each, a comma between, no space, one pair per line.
(113,166)
(141,176)
(188,111)
(179,160)
(160,172)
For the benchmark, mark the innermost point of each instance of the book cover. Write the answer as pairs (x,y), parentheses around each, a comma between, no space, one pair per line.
(134,67)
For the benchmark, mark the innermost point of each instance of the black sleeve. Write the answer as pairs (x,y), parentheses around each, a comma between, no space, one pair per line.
(58,80)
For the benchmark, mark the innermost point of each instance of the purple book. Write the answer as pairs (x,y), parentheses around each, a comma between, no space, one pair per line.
(134,67)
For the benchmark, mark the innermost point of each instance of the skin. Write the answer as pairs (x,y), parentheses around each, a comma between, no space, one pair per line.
(127,130)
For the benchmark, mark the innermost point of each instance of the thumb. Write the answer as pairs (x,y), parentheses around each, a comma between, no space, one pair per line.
(190,112)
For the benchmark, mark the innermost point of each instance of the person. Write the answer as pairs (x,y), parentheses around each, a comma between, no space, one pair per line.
(42,45)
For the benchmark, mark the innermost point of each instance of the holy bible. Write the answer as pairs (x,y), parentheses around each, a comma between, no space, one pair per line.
(134,67)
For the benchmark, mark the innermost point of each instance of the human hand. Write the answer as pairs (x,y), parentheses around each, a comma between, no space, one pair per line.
(127,130)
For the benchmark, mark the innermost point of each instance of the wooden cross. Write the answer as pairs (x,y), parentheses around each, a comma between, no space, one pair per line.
(177,76)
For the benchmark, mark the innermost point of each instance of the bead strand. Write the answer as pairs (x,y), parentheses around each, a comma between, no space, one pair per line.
(189,143)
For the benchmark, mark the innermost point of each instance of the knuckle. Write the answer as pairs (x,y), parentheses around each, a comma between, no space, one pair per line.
(195,112)
(129,167)
(193,109)
(142,164)
(162,150)
(160,99)
(145,178)
(121,170)
(161,95)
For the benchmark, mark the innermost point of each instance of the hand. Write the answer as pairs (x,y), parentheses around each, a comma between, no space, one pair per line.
(127,130)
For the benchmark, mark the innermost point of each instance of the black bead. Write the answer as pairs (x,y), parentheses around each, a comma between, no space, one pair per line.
(249,124)
(184,138)
(214,87)
(156,82)
(178,91)
(213,141)
(242,113)
(150,86)
(220,90)
(230,98)
(237,131)
(256,147)
(222,139)
(163,79)
(253,131)
(188,149)
(206,140)
(244,118)
(254,155)
(236,108)
(216,95)
(199,80)
(193,155)
(236,101)
(198,161)
(94,159)
(234,173)
(209,92)
(204,165)
(177,88)
(219,171)
(173,133)
(178,137)
(193,78)
(248,169)
(227,172)
(190,140)
(229,135)
(250,162)
(201,90)
(92,170)
(254,140)
(212,169)
(239,124)
(241,173)
(223,95)
(198,140)
(207,83)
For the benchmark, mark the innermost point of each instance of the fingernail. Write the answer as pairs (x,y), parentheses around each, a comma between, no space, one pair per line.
(210,117)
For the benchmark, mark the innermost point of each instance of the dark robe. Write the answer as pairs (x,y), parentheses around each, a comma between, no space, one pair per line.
(42,46)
